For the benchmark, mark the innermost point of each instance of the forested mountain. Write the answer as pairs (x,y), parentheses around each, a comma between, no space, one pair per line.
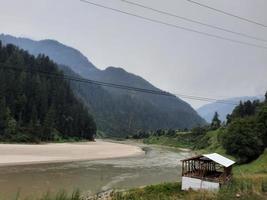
(207,111)
(36,107)
(117,112)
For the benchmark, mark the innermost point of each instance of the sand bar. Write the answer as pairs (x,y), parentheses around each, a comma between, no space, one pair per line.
(19,154)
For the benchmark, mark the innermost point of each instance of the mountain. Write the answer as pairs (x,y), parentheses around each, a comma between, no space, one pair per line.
(35,108)
(207,111)
(117,112)
(56,51)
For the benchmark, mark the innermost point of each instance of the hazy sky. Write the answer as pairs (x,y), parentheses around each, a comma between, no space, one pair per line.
(174,60)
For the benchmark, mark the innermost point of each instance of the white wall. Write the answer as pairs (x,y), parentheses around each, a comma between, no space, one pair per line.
(196,184)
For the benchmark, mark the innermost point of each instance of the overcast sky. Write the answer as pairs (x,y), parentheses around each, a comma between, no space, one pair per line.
(174,60)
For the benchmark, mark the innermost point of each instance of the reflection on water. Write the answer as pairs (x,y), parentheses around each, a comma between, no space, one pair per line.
(158,165)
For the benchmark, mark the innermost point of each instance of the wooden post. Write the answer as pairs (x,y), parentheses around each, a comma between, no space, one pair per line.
(182,168)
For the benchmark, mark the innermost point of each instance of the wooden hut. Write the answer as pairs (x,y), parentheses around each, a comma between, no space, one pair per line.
(207,171)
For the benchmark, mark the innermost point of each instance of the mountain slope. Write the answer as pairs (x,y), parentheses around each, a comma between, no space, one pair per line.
(117,112)
(207,111)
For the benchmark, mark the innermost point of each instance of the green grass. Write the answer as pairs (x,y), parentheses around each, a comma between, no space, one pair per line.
(241,188)
(154,192)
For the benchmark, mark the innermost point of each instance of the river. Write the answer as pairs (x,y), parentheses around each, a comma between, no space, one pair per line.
(159,164)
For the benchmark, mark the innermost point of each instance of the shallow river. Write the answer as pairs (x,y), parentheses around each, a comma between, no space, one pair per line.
(159,164)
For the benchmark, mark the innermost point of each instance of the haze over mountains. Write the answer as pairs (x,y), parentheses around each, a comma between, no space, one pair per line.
(117,112)
(207,111)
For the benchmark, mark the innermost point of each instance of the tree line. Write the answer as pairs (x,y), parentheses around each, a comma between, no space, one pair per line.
(35,107)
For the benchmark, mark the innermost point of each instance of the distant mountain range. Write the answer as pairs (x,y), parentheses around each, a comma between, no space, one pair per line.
(117,112)
(207,111)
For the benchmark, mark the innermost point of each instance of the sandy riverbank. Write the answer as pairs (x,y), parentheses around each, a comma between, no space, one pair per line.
(18,154)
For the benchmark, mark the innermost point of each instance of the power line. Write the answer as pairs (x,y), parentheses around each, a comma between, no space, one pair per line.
(194,21)
(227,13)
(112,85)
(175,26)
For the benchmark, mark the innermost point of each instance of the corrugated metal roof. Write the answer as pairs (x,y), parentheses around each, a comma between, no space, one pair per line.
(219,159)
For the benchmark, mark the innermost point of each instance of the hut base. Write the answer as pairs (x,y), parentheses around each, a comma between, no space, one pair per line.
(198,184)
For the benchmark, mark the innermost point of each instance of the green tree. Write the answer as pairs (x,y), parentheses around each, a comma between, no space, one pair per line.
(216,122)
(262,123)
(49,124)
(2,117)
(243,140)
(11,124)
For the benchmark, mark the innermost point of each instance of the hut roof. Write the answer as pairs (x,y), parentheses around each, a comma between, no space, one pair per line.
(214,157)
(219,159)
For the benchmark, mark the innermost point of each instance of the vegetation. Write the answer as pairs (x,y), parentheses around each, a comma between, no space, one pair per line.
(175,138)
(246,132)
(216,122)
(244,136)
(240,188)
(242,139)
(61,195)
(257,167)
(35,107)
(170,137)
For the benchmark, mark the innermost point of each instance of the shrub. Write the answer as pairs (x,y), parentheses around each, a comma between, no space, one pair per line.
(243,140)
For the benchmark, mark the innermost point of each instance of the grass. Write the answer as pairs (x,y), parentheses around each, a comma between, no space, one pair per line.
(155,192)
(241,188)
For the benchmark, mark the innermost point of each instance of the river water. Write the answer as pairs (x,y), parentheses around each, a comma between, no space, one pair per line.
(159,164)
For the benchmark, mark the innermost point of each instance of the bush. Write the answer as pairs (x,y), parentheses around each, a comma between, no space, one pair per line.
(243,140)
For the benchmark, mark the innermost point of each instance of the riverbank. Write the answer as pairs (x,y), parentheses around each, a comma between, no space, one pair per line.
(21,154)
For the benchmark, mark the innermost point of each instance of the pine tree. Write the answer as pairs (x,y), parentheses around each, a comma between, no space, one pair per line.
(49,123)
(2,116)
(10,124)
(216,122)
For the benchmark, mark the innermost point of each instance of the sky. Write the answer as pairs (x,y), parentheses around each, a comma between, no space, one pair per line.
(172,59)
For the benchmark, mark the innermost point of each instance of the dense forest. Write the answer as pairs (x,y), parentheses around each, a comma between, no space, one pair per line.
(36,107)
